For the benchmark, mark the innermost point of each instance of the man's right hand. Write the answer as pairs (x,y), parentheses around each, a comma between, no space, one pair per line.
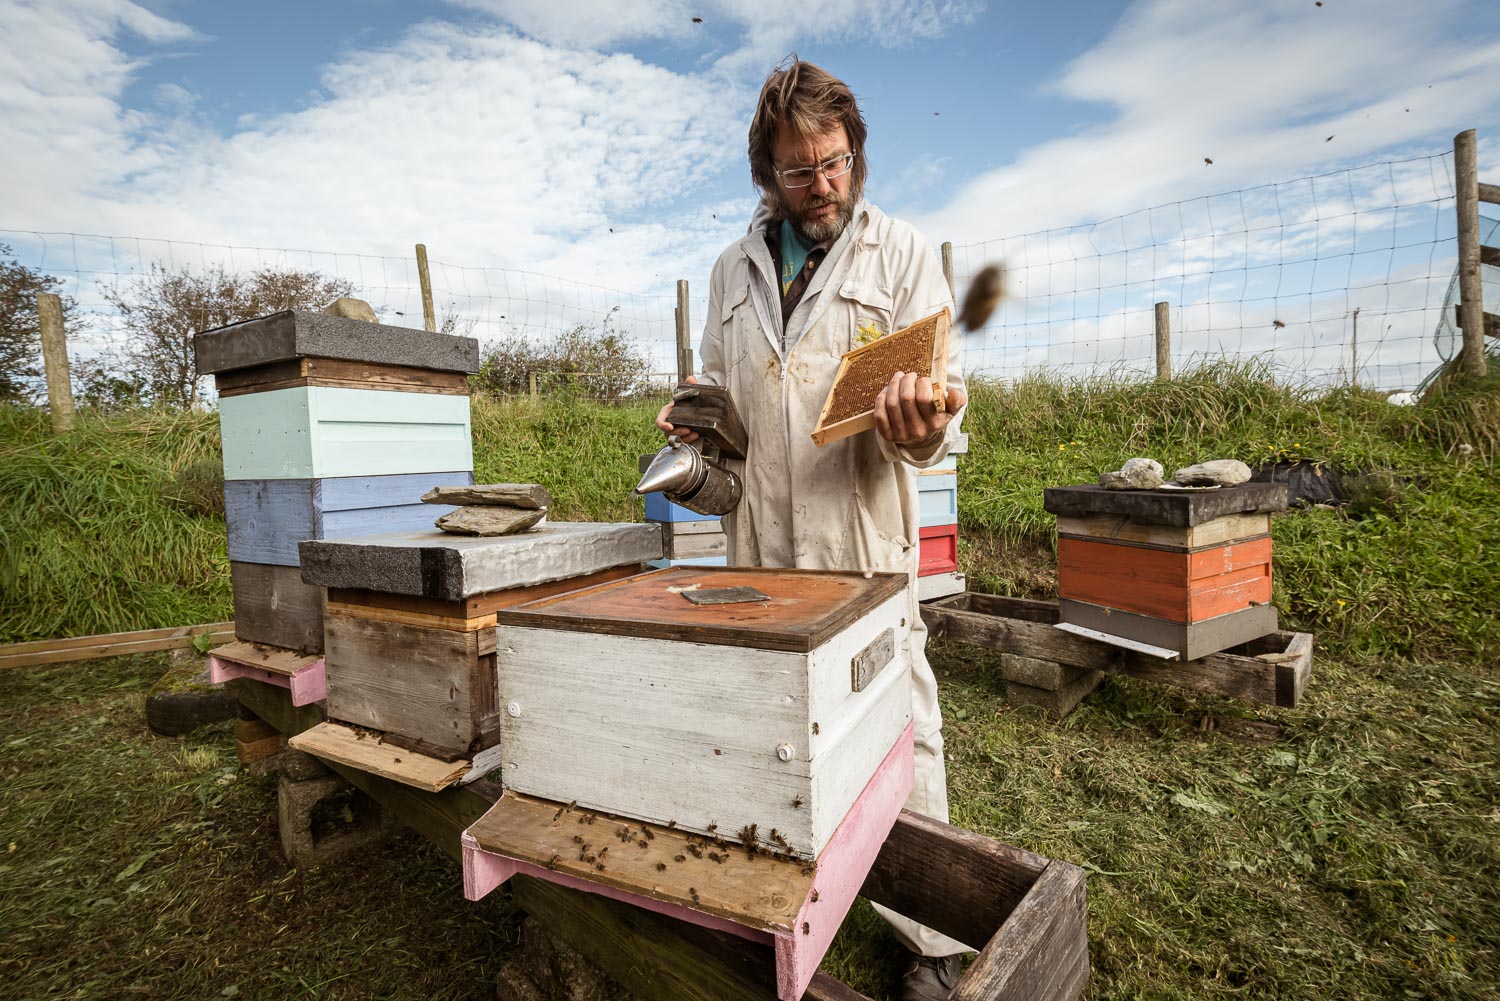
(687,435)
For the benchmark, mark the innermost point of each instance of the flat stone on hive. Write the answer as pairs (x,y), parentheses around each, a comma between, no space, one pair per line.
(434,564)
(296,333)
(531,496)
(489,520)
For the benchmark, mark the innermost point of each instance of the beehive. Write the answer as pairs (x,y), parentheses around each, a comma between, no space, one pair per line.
(330,427)
(772,713)
(408,630)
(1185,572)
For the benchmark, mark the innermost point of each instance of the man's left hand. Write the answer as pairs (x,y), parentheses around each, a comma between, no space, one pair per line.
(904,414)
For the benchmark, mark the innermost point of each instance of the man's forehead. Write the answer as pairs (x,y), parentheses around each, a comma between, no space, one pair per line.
(794,147)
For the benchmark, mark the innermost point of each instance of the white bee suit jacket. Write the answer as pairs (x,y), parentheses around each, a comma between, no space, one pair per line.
(851,504)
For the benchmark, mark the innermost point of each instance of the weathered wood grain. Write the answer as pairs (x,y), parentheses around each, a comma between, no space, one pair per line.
(277,661)
(62,651)
(333,742)
(659,957)
(1041,949)
(266,519)
(430,684)
(1014,625)
(484,604)
(327,431)
(273,606)
(1119,528)
(339,372)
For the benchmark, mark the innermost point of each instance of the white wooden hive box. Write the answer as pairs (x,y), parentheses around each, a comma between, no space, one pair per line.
(629,698)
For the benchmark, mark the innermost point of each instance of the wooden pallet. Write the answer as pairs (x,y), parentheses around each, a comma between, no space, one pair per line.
(1029,911)
(1273,669)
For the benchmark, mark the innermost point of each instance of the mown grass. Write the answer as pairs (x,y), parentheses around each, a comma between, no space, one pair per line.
(1346,848)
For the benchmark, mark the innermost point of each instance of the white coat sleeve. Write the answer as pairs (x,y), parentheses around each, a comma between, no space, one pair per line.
(921,291)
(711,368)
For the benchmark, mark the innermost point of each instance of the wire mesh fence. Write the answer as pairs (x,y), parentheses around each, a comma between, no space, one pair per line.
(1330,278)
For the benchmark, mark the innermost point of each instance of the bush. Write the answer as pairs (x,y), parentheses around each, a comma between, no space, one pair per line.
(599,364)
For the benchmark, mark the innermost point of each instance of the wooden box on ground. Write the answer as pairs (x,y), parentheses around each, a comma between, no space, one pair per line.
(1027,914)
(1186,572)
(409,635)
(266,519)
(773,713)
(273,606)
(1272,669)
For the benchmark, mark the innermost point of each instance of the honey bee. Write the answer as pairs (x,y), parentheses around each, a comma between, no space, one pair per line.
(552,862)
(661,867)
(647,832)
(814,897)
(577,840)
(692,892)
(797,803)
(712,827)
(695,851)
(644,843)
(815,729)
(671,823)
(600,867)
(716,857)
(679,858)
(603,852)
(806,928)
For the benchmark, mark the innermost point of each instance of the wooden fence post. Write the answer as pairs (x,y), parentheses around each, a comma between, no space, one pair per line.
(1163,341)
(429,315)
(948,266)
(49,317)
(1470,287)
(684,337)
(531,379)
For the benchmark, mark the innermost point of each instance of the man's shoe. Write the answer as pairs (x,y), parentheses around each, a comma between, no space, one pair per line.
(929,978)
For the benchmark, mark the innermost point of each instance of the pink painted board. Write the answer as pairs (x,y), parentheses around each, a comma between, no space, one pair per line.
(842,867)
(841,870)
(484,871)
(307,685)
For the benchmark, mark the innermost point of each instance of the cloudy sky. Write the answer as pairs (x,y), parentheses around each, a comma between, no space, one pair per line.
(603,140)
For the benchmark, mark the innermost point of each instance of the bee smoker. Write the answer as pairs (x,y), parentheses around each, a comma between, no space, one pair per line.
(696,477)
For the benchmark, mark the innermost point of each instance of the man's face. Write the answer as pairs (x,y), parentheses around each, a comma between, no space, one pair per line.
(822,209)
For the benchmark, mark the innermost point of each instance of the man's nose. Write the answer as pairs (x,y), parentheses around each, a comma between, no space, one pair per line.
(821,185)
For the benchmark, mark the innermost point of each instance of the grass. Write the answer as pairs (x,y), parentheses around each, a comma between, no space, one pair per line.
(1346,848)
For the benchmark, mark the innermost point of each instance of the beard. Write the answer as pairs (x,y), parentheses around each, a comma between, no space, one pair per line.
(820,230)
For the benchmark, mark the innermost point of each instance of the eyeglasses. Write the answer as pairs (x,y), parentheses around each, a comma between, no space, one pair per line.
(801,177)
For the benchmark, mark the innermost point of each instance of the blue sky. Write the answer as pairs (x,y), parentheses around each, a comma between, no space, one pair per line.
(602,141)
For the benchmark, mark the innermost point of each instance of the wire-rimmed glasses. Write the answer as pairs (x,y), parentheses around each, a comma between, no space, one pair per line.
(801,177)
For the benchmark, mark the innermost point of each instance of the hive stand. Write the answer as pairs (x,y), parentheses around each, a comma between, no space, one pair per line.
(795,906)
(1028,912)
(302,675)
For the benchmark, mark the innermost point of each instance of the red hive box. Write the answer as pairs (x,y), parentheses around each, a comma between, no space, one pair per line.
(1183,571)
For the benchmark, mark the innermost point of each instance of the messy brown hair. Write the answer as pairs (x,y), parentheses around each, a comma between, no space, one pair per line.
(808,100)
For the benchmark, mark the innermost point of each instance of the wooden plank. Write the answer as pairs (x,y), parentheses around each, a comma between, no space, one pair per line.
(921,347)
(1490,257)
(670,865)
(412,618)
(63,651)
(1119,528)
(273,659)
(690,547)
(433,685)
(1489,193)
(273,606)
(1041,950)
(366,752)
(485,604)
(805,610)
(326,431)
(340,372)
(659,957)
(954,881)
(997,623)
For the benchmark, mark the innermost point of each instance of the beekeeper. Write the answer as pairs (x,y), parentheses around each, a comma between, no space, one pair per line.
(822,271)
